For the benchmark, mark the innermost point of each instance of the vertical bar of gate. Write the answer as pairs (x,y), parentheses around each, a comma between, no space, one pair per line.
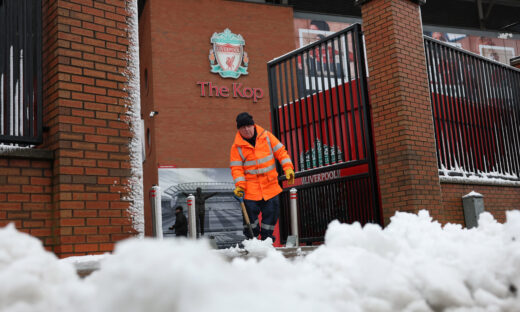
(476,109)
(515,77)
(300,77)
(440,108)
(358,56)
(331,59)
(444,107)
(8,73)
(471,141)
(486,102)
(304,213)
(38,70)
(25,96)
(282,104)
(463,91)
(32,70)
(433,97)
(351,81)
(506,122)
(338,106)
(305,61)
(345,112)
(482,102)
(515,112)
(318,109)
(491,74)
(451,103)
(273,99)
(457,97)
(3,39)
(368,128)
(16,71)
(468,87)
(462,122)
(325,148)
(289,104)
(514,143)
(296,162)
(313,150)
(487,69)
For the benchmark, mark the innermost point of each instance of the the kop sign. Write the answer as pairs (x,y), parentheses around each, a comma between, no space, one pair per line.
(228,59)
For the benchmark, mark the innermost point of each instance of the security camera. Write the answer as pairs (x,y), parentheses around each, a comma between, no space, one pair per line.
(153,113)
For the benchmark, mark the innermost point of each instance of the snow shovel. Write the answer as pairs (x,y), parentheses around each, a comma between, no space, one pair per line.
(246,216)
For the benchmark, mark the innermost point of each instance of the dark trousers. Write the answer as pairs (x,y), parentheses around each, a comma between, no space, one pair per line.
(270,210)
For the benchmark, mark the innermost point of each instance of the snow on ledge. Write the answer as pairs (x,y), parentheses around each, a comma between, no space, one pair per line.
(479,181)
(472,194)
(86,263)
(460,176)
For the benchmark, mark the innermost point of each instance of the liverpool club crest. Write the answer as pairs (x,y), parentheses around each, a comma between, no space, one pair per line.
(227,57)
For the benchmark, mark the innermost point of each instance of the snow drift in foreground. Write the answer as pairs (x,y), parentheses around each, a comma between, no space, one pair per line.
(414,264)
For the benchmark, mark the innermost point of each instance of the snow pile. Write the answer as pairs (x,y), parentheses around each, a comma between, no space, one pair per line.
(414,264)
(32,279)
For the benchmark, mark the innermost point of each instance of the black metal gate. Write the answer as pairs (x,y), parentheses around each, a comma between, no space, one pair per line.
(20,71)
(320,112)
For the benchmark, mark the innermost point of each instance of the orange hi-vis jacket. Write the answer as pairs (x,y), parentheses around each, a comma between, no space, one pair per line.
(254,168)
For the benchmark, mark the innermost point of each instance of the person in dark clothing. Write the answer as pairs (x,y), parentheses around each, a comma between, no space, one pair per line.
(200,208)
(181,224)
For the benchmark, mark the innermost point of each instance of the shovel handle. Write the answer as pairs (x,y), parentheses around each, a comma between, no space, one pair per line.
(246,217)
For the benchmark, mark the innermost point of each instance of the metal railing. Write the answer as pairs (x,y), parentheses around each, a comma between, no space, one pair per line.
(20,72)
(476,110)
(320,112)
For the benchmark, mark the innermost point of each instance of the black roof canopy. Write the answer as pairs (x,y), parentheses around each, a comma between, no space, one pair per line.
(490,15)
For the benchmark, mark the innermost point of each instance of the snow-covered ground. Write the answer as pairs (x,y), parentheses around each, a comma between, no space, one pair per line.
(414,264)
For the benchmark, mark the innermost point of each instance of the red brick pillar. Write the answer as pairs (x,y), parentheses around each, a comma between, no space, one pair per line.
(85,52)
(401,111)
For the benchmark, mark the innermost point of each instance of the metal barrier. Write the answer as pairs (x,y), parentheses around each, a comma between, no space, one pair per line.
(294,215)
(155,204)
(21,72)
(320,112)
(476,110)
(192,217)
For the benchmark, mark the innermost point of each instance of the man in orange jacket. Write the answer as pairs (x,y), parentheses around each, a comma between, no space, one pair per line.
(253,167)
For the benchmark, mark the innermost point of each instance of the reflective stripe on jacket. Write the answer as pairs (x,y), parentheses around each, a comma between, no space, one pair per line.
(254,168)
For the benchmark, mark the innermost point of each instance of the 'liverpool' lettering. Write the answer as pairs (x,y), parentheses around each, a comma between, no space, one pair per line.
(325,176)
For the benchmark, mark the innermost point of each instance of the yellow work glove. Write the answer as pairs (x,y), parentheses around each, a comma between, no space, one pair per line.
(289,175)
(239,192)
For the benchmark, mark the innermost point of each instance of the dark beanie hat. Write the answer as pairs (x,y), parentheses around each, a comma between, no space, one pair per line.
(244,119)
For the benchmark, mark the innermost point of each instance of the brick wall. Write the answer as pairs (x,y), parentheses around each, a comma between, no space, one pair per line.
(497,200)
(192,131)
(85,52)
(26,195)
(205,126)
(402,118)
